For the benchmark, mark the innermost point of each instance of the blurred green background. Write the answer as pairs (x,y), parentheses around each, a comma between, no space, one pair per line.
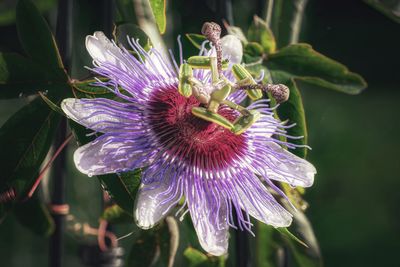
(354,204)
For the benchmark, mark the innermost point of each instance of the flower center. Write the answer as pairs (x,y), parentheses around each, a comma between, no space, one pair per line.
(191,139)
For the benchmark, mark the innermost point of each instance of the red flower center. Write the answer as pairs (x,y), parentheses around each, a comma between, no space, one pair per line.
(197,142)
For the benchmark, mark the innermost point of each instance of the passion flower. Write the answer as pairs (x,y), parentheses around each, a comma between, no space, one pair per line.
(151,126)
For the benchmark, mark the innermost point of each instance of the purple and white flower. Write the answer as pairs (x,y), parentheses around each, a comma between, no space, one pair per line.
(217,172)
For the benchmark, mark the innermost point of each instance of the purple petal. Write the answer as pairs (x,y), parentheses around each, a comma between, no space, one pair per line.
(272,161)
(289,168)
(109,154)
(155,200)
(209,215)
(255,199)
(102,115)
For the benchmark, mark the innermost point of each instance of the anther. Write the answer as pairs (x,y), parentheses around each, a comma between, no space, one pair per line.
(212,31)
(279,92)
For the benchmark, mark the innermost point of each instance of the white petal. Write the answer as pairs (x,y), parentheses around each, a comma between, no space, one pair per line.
(211,225)
(289,168)
(92,113)
(255,199)
(102,50)
(154,201)
(105,155)
(232,49)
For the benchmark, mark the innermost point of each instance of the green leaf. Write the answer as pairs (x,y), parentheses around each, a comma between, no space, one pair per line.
(123,31)
(114,214)
(87,87)
(254,49)
(301,62)
(285,20)
(286,233)
(20,76)
(194,257)
(236,31)
(267,246)
(125,11)
(35,216)
(293,111)
(260,32)
(25,140)
(389,8)
(253,54)
(275,247)
(122,188)
(153,246)
(148,247)
(51,104)
(196,39)
(303,256)
(161,246)
(7,10)
(36,37)
(159,7)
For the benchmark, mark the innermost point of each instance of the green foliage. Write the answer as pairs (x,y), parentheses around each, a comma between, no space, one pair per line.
(285,20)
(253,51)
(389,8)
(36,37)
(293,111)
(260,32)
(266,242)
(20,76)
(51,104)
(29,138)
(152,248)
(302,256)
(88,88)
(7,9)
(34,215)
(43,70)
(115,214)
(195,257)
(196,39)
(301,62)
(126,11)
(123,31)
(159,7)
(236,31)
(290,236)
(29,133)
(122,188)
(299,249)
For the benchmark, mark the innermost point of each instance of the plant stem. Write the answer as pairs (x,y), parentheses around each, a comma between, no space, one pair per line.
(58,199)
(58,196)
(224,11)
(297,19)
(268,15)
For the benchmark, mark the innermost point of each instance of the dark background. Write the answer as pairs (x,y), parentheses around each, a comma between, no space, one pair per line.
(354,204)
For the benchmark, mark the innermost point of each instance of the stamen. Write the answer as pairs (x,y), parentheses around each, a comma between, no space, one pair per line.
(279,91)
(190,139)
(180,49)
(212,31)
